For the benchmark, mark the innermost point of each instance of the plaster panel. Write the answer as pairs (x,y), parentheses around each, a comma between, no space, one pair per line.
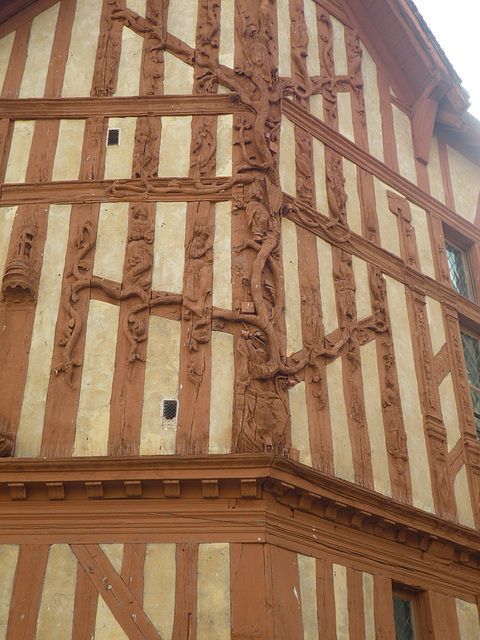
(106,626)
(19,150)
(449,410)
(339,51)
(387,221)
(7,216)
(435,172)
(465,183)
(435,323)
(221,404)
(307,573)
(30,429)
(68,154)
(8,562)
(373,410)
(213,589)
(412,414)
(283,21)
(159,576)
(222,249)
(114,553)
(327,290)
(55,617)
(6,44)
(169,246)
(368,606)
(227,33)
(128,83)
(111,240)
(287,157)
(313,59)
(342,449)
(119,159)
(341,601)
(372,105)
(403,138)
(39,50)
(422,235)
(178,76)
(354,214)
(139,6)
(319,176)
(161,381)
(299,422)
(83,49)
(224,145)
(462,498)
(175,146)
(182,20)
(345,120)
(292,286)
(93,416)
(362,293)
(468,624)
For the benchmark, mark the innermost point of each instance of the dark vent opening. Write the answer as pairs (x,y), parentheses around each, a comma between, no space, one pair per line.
(169,409)
(113,138)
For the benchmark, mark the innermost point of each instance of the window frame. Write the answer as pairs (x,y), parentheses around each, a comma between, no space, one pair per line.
(476,336)
(464,248)
(413,597)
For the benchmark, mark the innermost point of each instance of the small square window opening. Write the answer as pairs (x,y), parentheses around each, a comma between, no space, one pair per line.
(169,411)
(113,137)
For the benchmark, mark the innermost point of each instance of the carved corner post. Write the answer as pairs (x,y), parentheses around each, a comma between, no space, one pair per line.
(408,246)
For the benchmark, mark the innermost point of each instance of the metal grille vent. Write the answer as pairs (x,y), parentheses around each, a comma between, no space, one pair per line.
(113,138)
(169,410)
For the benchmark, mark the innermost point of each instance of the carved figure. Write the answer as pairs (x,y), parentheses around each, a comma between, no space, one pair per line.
(203,149)
(20,280)
(336,194)
(197,287)
(392,413)
(345,289)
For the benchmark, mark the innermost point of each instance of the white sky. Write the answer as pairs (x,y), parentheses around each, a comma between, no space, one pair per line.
(455,26)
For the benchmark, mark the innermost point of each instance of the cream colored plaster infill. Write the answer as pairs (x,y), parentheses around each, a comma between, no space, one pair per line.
(30,429)
(372,104)
(93,416)
(373,410)
(341,601)
(422,235)
(68,154)
(39,50)
(159,575)
(368,606)
(435,323)
(83,49)
(222,250)
(465,183)
(313,58)
(327,290)
(6,44)
(462,498)
(175,146)
(316,105)
(169,246)
(449,410)
(412,414)
(106,626)
(111,240)
(224,146)
(307,573)
(128,83)
(161,381)
(114,553)
(55,617)
(387,221)
(182,20)
(345,119)
(319,176)
(221,405)
(403,138)
(435,172)
(299,423)
(283,21)
(213,588)
(139,6)
(342,449)
(227,33)
(19,150)
(292,286)
(178,76)
(287,157)
(362,293)
(468,624)
(354,214)
(7,216)
(339,51)
(119,159)
(8,562)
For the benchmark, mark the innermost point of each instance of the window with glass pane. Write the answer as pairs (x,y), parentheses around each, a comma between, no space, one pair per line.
(471,351)
(403,615)
(459,270)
